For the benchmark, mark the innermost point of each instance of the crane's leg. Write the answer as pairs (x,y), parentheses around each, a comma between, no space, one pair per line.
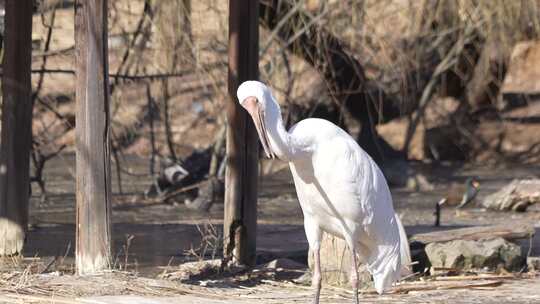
(314,235)
(354,274)
(316,275)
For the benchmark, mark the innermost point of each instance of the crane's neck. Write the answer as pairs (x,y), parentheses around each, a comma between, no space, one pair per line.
(279,139)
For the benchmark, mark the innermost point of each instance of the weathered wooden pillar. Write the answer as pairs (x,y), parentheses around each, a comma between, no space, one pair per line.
(16,135)
(93,184)
(240,223)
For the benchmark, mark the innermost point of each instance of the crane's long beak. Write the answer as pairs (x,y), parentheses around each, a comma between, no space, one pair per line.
(251,104)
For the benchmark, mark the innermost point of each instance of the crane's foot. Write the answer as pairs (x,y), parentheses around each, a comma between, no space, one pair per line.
(11,237)
(354,276)
(355,291)
(316,294)
(316,282)
(316,276)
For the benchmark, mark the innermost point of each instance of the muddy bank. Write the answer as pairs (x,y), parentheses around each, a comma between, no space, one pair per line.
(164,233)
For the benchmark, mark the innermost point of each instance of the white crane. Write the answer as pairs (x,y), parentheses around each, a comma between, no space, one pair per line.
(340,188)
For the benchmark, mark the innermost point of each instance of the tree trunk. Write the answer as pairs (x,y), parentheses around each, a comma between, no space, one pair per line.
(16,133)
(240,222)
(93,138)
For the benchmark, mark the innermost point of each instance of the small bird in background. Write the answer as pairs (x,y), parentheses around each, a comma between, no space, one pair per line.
(458,195)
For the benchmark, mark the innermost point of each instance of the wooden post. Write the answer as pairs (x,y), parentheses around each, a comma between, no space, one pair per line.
(93,184)
(16,135)
(240,222)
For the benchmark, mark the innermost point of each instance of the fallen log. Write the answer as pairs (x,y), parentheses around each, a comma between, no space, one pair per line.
(453,285)
(507,232)
(478,277)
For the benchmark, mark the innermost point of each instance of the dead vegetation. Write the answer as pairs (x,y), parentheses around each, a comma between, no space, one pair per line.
(430,88)
(263,284)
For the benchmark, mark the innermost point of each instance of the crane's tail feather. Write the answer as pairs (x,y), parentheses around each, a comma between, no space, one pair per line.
(389,262)
(404,249)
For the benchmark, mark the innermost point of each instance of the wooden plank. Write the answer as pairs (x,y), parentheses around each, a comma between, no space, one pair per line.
(240,219)
(16,135)
(93,184)
(508,232)
(477,277)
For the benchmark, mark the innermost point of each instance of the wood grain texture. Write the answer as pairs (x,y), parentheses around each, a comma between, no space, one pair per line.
(240,219)
(16,134)
(507,232)
(93,183)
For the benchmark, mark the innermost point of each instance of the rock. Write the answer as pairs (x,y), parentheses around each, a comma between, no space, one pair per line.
(463,254)
(394,132)
(523,72)
(190,271)
(284,264)
(208,193)
(173,176)
(516,196)
(533,263)
(521,85)
(336,263)
(283,269)
(304,279)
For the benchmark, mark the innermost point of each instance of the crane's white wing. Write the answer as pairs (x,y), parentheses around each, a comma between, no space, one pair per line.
(356,190)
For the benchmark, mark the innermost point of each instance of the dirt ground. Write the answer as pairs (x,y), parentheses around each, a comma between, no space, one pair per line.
(152,238)
(158,237)
(136,290)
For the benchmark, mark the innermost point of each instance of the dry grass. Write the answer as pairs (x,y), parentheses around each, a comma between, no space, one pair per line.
(29,285)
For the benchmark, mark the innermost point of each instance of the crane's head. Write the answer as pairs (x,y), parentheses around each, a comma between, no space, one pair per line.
(254,96)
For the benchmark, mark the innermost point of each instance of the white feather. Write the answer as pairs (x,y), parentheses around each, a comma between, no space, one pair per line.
(340,188)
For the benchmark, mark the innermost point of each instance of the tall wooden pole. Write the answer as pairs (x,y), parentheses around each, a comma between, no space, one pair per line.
(240,222)
(16,134)
(93,184)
